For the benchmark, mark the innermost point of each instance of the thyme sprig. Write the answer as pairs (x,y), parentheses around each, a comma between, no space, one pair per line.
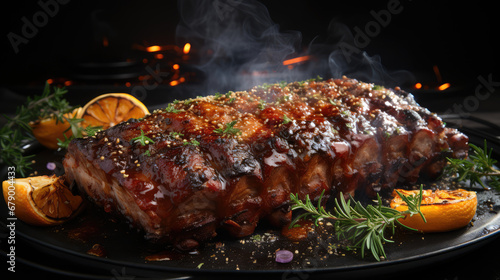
(364,227)
(479,166)
(17,132)
(228,129)
(142,139)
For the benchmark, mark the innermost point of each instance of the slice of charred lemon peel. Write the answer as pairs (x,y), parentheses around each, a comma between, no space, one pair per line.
(110,109)
(42,200)
(444,210)
(48,130)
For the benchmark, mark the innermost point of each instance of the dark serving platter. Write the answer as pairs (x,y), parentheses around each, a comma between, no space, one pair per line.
(126,254)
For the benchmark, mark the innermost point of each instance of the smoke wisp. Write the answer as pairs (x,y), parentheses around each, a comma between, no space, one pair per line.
(239,46)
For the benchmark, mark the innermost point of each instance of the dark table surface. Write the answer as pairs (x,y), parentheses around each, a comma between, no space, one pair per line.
(482,263)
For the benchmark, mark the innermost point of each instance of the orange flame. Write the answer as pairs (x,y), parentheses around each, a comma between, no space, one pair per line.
(187,48)
(296,60)
(418,85)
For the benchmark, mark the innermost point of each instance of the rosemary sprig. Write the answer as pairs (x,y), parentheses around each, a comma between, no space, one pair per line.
(11,152)
(17,132)
(479,166)
(363,226)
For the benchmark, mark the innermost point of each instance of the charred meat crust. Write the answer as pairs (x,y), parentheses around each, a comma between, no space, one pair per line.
(227,161)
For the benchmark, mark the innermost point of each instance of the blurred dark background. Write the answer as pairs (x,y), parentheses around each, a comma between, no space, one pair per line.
(94,47)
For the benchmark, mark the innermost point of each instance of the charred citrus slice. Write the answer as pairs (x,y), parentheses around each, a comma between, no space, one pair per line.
(444,210)
(41,200)
(110,109)
(48,130)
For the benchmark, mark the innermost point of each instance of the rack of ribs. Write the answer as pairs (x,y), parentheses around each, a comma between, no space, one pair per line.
(223,162)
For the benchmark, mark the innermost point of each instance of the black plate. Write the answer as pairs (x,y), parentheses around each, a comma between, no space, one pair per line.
(127,251)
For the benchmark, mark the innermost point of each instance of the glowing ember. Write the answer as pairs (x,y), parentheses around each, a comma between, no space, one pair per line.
(444,86)
(154,48)
(296,60)
(437,73)
(105,42)
(187,48)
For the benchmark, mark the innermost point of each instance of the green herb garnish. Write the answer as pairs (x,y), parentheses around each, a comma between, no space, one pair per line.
(193,142)
(363,226)
(228,129)
(262,104)
(92,130)
(479,166)
(170,109)
(17,132)
(142,139)
(317,79)
(286,119)
(175,134)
